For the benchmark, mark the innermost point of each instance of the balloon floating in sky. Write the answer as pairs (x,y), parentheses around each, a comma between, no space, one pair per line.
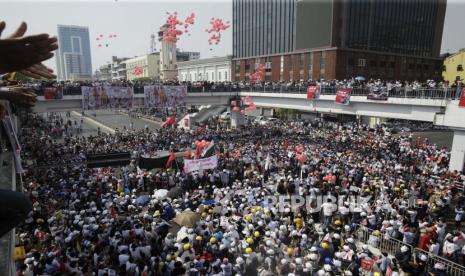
(216,27)
(259,74)
(171,33)
(105,40)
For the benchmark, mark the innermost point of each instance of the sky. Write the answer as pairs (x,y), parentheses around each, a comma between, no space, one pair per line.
(133,21)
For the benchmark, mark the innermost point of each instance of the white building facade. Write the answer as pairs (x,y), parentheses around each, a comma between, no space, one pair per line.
(150,65)
(215,69)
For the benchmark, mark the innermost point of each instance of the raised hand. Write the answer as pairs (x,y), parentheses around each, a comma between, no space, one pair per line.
(21,53)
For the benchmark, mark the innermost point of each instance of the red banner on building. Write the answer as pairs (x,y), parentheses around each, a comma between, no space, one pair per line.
(462,98)
(53,93)
(343,96)
(313,92)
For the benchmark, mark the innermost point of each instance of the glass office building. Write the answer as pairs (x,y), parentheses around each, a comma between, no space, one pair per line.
(73,55)
(263,27)
(313,39)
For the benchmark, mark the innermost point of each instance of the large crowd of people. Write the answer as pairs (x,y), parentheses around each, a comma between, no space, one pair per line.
(74,87)
(118,221)
(240,217)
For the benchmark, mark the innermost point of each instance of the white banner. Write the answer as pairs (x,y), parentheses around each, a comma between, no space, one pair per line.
(106,97)
(200,164)
(162,96)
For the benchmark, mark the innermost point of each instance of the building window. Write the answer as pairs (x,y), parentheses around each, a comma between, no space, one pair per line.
(323,61)
(310,65)
(291,62)
(225,76)
(302,60)
(219,76)
(361,62)
(281,68)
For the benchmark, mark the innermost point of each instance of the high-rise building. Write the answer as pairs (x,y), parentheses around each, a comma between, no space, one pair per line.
(168,67)
(262,27)
(313,39)
(73,56)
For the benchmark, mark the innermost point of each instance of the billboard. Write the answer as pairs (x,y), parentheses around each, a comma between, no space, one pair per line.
(163,96)
(107,97)
(53,93)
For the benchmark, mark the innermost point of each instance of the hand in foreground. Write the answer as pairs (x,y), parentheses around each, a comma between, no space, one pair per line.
(21,53)
(21,96)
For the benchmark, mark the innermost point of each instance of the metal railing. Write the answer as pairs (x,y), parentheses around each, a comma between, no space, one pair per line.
(392,246)
(396,92)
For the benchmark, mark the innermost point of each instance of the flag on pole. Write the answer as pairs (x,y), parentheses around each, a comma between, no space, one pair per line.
(198,152)
(209,151)
(248,104)
(170,121)
(170,160)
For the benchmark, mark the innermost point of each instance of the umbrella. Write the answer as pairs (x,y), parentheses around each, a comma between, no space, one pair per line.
(160,194)
(143,199)
(360,78)
(209,202)
(175,192)
(182,234)
(187,218)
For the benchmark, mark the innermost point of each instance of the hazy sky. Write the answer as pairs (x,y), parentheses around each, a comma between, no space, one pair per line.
(133,22)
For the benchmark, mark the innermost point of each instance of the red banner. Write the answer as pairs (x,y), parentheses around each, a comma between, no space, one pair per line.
(53,93)
(313,92)
(343,96)
(462,98)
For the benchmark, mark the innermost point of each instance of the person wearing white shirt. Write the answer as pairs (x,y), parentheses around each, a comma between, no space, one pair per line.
(434,247)
(328,210)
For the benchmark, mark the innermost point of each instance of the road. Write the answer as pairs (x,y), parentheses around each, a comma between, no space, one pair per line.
(118,120)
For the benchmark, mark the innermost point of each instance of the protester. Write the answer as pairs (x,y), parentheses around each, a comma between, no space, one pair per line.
(102,221)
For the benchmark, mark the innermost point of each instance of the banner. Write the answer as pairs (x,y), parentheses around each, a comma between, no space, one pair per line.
(377,93)
(343,96)
(200,164)
(313,92)
(53,93)
(462,98)
(107,97)
(163,96)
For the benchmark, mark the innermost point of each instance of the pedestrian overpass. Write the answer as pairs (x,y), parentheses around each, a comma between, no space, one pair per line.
(437,106)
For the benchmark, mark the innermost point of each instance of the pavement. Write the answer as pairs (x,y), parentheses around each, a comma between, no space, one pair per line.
(119,120)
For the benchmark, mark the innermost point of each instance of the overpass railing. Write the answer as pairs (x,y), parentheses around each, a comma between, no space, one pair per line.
(392,246)
(396,92)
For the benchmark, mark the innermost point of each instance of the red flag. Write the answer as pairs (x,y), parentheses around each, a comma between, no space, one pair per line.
(138,70)
(462,98)
(188,155)
(170,121)
(237,154)
(198,152)
(171,159)
(286,144)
